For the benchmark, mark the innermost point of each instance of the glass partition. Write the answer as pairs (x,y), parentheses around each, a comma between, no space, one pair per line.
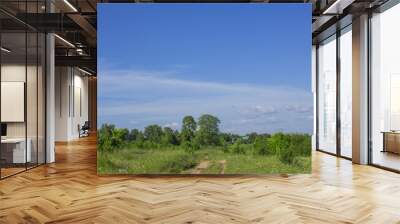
(22,101)
(385,89)
(14,155)
(346,92)
(327,95)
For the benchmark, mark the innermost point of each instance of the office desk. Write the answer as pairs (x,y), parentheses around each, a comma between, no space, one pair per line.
(13,150)
(391,141)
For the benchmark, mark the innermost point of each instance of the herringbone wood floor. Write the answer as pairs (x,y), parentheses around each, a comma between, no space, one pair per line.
(69,191)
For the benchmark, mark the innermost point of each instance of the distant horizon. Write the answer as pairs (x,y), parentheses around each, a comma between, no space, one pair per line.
(178,127)
(234,61)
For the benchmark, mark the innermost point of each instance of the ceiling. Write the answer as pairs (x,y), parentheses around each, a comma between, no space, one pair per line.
(75,21)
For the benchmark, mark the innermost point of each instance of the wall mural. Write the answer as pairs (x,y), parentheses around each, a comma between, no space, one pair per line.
(204,89)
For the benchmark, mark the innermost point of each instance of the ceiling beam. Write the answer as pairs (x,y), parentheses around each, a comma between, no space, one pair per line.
(77,61)
(86,26)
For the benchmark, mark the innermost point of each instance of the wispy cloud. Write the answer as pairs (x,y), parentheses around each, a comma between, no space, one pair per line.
(161,97)
(173,125)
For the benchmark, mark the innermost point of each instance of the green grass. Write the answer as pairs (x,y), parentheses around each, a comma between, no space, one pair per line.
(141,161)
(174,161)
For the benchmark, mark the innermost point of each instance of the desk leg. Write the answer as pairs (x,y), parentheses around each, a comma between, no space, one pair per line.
(384,142)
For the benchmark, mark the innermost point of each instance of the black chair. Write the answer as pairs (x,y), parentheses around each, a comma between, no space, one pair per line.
(84,130)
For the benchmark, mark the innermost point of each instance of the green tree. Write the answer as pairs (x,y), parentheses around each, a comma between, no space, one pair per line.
(188,128)
(110,137)
(287,156)
(104,137)
(278,142)
(238,148)
(225,138)
(140,137)
(177,136)
(118,136)
(300,144)
(208,132)
(235,137)
(251,138)
(139,141)
(153,133)
(124,134)
(133,134)
(261,145)
(106,129)
(169,137)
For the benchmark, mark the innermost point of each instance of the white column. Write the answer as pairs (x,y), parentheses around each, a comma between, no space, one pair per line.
(360,90)
(50,99)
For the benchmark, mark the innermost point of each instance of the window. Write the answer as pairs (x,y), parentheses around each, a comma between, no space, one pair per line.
(327,95)
(346,92)
(385,89)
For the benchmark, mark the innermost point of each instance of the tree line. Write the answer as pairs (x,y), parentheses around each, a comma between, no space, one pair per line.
(205,132)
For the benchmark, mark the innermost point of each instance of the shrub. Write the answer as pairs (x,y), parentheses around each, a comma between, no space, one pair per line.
(225,147)
(287,156)
(301,144)
(139,144)
(169,137)
(260,146)
(150,145)
(181,163)
(238,148)
(278,142)
(190,146)
(111,138)
(195,146)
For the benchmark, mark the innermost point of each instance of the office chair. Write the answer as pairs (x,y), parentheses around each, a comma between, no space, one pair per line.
(84,130)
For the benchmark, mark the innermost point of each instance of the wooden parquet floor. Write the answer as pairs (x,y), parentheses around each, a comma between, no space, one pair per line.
(69,191)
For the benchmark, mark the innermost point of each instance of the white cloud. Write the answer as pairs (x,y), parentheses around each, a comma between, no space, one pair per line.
(173,125)
(160,97)
(117,81)
(299,108)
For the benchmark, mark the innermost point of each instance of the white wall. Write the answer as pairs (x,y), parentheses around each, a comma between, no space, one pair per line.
(17,73)
(62,82)
(33,126)
(70,83)
(80,115)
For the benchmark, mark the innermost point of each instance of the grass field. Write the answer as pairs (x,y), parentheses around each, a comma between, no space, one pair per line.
(130,160)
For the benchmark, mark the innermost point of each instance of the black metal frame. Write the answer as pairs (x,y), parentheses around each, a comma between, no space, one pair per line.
(369,91)
(0,89)
(44,80)
(316,98)
(338,152)
(338,98)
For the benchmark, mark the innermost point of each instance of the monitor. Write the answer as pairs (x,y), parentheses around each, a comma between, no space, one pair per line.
(3,129)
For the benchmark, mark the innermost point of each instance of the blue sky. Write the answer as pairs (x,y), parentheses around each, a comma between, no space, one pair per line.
(248,64)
